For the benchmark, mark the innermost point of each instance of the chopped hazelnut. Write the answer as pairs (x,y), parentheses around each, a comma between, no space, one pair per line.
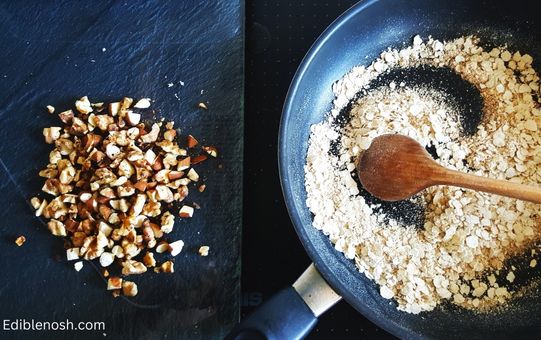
(143,103)
(114,108)
(114,282)
(83,105)
(72,254)
(199,159)
(106,259)
(211,150)
(149,260)
(204,250)
(162,247)
(129,288)
(184,164)
(56,228)
(152,135)
(167,267)
(133,118)
(19,241)
(35,202)
(193,175)
(130,267)
(78,265)
(51,134)
(191,141)
(176,247)
(66,116)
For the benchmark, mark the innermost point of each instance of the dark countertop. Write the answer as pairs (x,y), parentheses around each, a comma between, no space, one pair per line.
(278,35)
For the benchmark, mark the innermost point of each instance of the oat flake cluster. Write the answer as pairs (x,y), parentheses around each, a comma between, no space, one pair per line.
(114,186)
(459,255)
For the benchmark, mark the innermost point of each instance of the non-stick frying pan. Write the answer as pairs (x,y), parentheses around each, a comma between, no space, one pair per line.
(356,38)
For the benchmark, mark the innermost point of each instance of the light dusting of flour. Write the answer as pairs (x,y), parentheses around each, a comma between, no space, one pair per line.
(460,253)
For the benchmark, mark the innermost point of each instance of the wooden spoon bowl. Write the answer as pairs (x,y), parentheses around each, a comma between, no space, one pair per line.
(396,167)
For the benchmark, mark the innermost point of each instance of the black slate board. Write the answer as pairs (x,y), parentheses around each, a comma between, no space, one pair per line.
(54,52)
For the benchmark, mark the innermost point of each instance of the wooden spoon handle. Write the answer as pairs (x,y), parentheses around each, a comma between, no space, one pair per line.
(494,186)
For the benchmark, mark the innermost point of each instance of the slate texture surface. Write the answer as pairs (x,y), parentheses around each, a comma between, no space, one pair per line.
(278,35)
(55,52)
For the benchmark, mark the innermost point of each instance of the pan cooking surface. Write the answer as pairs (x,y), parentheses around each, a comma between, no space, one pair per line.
(354,39)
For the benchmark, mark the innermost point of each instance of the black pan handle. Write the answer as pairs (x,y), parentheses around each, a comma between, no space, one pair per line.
(291,313)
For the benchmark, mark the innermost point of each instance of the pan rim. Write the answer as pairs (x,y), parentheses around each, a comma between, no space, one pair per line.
(324,268)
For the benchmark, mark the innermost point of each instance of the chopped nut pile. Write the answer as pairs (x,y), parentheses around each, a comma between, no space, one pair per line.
(461,251)
(115,185)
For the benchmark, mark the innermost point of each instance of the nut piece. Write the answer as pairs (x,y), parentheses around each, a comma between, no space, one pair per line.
(192,142)
(130,267)
(35,202)
(163,193)
(78,265)
(211,150)
(83,105)
(199,159)
(114,282)
(133,118)
(184,164)
(202,106)
(106,259)
(193,175)
(50,108)
(114,108)
(66,116)
(72,254)
(129,288)
(51,134)
(186,211)
(176,247)
(56,227)
(149,260)
(152,136)
(167,222)
(19,241)
(39,210)
(204,250)
(167,267)
(162,247)
(112,151)
(143,103)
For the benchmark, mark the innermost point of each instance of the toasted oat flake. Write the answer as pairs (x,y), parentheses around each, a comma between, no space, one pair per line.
(466,236)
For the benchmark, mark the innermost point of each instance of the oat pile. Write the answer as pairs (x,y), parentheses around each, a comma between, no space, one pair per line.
(114,185)
(460,253)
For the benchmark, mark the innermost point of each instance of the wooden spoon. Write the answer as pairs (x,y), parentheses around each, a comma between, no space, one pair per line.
(396,167)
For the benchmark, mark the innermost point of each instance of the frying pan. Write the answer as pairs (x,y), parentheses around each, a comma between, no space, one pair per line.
(356,38)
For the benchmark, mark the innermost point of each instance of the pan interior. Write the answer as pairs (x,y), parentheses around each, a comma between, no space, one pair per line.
(357,38)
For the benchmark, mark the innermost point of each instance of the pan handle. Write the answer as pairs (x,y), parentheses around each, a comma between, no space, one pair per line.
(291,313)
